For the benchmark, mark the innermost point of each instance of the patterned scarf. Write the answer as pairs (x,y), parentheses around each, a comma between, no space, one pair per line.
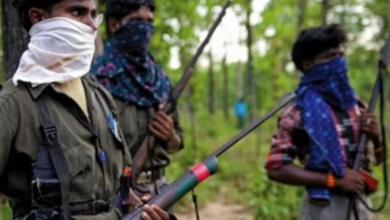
(322,82)
(128,71)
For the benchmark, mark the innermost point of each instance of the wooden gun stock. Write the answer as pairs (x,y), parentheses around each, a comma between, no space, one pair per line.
(140,158)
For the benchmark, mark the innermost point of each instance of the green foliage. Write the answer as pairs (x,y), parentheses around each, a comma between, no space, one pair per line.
(5,213)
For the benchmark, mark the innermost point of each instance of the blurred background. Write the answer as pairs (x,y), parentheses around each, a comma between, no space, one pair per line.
(248,59)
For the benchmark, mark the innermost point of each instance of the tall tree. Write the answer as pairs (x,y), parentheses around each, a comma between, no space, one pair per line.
(344,12)
(225,73)
(211,83)
(325,11)
(301,14)
(15,39)
(239,81)
(250,71)
(239,73)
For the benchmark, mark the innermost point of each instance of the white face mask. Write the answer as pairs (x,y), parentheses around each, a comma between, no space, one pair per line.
(60,50)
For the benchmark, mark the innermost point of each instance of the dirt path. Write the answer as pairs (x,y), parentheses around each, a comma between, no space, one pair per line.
(218,210)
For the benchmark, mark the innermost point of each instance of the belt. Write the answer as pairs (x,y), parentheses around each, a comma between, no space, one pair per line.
(87,208)
(146,176)
(322,202)
(91,208)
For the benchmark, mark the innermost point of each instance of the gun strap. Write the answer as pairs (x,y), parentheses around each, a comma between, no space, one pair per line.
(355,211)
(51,140)
(195,201)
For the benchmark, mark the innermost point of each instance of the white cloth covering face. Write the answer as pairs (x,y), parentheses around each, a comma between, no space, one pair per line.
(60,50)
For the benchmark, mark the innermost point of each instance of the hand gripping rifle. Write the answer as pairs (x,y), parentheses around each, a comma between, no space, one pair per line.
(140,158)
(370,181)
(201,171)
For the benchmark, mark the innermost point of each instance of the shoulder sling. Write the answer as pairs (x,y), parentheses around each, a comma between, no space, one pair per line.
(51,139)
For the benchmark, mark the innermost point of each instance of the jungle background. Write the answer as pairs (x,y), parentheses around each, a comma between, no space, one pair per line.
(249,56)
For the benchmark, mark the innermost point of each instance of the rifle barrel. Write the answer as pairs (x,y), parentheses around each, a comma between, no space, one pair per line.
(287,100)
(184,80)
(210,34)
(382,65)
(201,171)
(363,138)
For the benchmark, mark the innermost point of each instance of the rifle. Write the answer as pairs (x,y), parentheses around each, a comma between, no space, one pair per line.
(140,158)
(378,91)
(201,171)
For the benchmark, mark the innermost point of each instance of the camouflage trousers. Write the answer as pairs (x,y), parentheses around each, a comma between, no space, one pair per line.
(336,210)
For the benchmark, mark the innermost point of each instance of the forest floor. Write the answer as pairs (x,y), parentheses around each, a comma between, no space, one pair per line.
(224,209)
(221,208)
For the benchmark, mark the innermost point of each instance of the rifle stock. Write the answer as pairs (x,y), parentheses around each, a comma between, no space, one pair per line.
(201,171)
(140,158)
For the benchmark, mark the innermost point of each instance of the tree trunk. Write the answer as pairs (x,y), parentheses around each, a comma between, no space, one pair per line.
(15,39)
(225,95)
(301,15)
(250,73)
(239,81)
(343,13)
(325,11)
(187,95)
(192,111)
(211,84)
(189,101)
(277,91)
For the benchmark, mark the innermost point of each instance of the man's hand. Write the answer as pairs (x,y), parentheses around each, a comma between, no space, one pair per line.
(149,212)
(154,213)
(351,183)
(133,199)
(162,126)
(369,125)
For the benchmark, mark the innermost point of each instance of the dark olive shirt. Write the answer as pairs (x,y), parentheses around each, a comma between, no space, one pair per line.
(81,139)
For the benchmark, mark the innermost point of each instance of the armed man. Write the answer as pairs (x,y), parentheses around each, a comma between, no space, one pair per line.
(322,129)
(61,154)
(140,88)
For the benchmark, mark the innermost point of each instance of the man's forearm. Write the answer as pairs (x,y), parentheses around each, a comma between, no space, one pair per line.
(296,176)
(174,143)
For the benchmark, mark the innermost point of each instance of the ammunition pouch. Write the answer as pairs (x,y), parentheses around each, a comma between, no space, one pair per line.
(46,192)
(45,185)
